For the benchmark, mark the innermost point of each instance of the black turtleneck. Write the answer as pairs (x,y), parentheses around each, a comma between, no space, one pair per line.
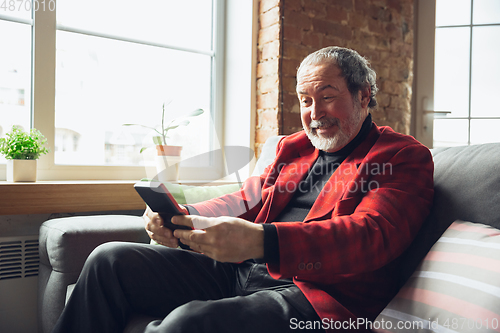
(308,190)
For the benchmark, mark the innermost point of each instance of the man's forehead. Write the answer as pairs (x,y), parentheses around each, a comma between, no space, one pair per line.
(318,88)
(320,77)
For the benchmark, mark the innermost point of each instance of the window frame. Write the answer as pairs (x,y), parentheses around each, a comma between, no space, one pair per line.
(226,92)
(425,76)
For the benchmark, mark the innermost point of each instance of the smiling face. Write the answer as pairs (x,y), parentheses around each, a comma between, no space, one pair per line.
(330,115)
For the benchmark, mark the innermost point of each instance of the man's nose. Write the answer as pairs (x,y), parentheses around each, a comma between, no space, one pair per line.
(317,111)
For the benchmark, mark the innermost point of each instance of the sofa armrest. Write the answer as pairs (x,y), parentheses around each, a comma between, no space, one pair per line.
(65,244)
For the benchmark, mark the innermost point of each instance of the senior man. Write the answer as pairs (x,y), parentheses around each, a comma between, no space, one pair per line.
(313,243)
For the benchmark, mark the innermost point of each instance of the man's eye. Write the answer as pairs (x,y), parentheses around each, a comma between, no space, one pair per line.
(328,98)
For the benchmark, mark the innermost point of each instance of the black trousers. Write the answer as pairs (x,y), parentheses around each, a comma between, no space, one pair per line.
(191,292)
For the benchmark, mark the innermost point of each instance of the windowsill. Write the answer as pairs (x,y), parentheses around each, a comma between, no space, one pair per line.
(44,197)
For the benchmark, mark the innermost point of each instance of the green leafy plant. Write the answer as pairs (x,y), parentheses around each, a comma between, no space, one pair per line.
(21,145)
(161,138)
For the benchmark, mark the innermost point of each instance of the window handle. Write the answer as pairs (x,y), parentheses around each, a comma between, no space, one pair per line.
(437,112)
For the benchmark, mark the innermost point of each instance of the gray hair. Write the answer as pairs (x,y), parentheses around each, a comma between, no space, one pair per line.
(355,69)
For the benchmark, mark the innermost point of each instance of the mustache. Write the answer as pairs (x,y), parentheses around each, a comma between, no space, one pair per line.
(324,122)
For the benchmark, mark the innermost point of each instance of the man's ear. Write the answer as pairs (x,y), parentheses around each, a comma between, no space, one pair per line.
(364,96)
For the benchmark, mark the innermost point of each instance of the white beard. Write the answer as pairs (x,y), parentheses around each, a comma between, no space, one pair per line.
(339,140)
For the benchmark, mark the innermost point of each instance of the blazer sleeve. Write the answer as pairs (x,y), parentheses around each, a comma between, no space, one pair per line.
(367,229)
(247,202)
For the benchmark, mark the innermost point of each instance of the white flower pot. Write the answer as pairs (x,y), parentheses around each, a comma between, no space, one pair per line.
(167,168)
(21,170)
(167,162)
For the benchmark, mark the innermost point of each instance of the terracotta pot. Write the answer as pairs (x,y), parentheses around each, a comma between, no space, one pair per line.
(21,170)
(168,150)
(167,162)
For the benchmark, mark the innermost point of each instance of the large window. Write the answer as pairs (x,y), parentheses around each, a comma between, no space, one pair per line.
(88,67)
(467,72)
(15,70)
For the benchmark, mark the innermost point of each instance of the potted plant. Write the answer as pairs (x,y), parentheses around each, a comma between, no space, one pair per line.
(168,156)
(22,149)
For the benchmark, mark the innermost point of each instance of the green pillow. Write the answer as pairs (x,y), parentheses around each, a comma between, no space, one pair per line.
(186,194)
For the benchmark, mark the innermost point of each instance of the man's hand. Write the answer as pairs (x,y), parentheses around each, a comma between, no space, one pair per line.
(156,230)
(230,240)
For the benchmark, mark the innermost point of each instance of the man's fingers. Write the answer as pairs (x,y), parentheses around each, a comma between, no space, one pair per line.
(156,231)
(183,220)
(192,238)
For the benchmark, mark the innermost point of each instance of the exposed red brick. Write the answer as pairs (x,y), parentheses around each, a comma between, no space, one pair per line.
(298,19)
(335,41)
(268,83)
(267,67)
(291,102)
(393,31)
(270,17)
(383,99)
(292,33)
(346,4)
(375,26)
(289,83)
(266,5)
(315,8)
(394,4)
(332,28)
(270,50)
(357,20)
(294,5)
(292,120)
(290,66)
(407,10)
(269,34)
(399,74)
(336,14)
(268,100)
(312,40)
(267,118)
(383,72)
(380,30)
(294,51)
(362,6)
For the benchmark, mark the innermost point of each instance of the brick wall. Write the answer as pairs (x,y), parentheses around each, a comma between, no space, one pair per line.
(380,30)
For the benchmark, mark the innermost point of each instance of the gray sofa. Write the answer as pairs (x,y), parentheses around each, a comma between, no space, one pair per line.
(467,187)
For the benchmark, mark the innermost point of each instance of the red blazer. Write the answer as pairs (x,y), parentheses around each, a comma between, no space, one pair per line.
(342,256)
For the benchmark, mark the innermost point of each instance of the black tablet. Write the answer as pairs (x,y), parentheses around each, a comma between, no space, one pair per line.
(156,195)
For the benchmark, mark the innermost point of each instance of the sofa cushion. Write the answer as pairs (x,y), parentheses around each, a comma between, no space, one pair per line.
(456,287)
(466,187)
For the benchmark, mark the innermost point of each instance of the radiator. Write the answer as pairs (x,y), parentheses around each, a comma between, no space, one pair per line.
(19,260)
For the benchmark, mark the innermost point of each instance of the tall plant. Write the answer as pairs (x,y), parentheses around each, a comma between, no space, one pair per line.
(161,138)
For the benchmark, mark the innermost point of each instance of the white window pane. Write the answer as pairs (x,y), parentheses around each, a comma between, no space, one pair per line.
(19,9)
(484,131)
(102,84)
(453,12)
(179,23)
(486,11)
(15,77)
(485,71)
(450,132)
(451,72)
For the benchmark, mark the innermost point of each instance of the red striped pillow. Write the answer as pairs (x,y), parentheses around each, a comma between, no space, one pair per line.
(456,288)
